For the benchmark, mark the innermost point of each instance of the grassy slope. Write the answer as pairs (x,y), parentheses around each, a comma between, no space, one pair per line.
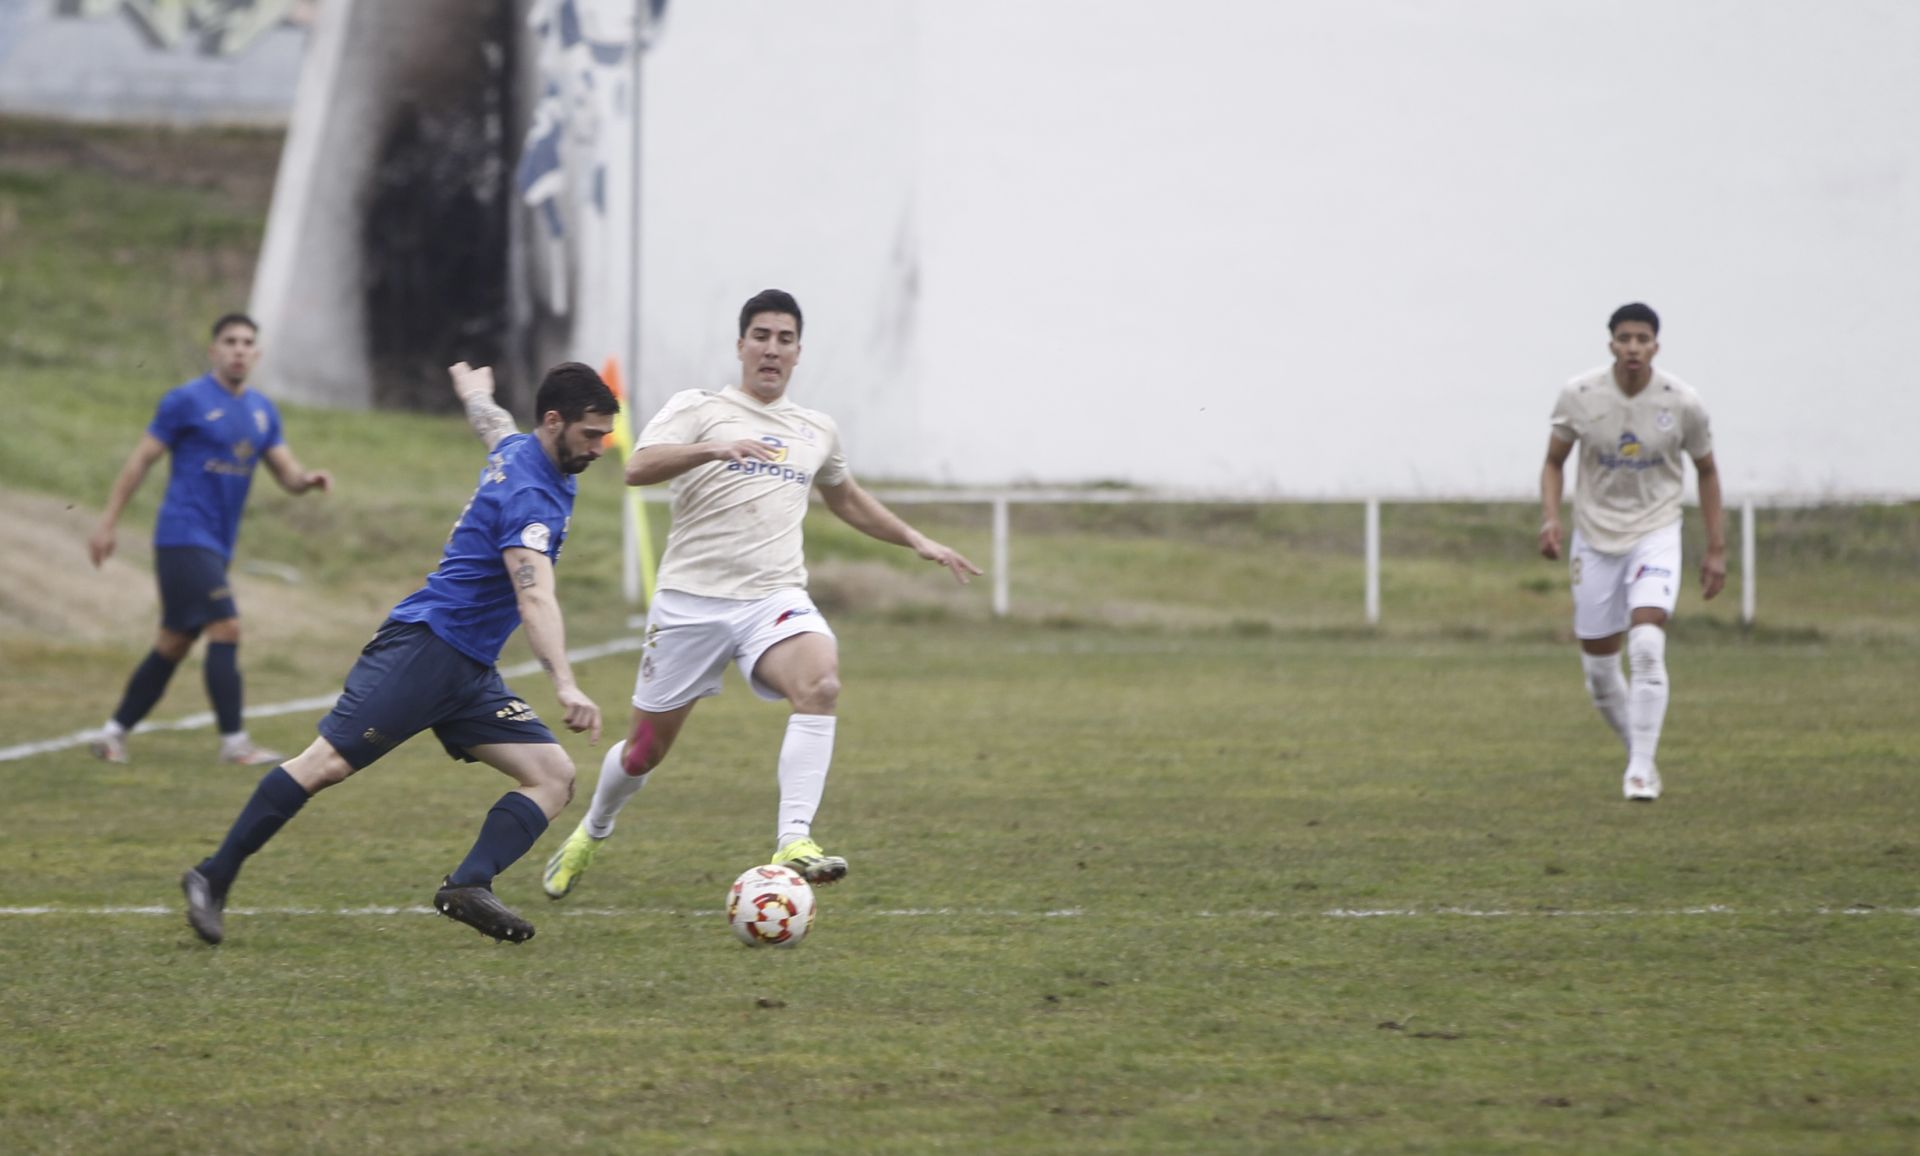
(1188,737)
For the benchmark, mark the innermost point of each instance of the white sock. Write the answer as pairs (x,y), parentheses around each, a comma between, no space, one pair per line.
(616,787)
(113,729)
(804,757)
(1608,689)
(237,741)
(1647,700)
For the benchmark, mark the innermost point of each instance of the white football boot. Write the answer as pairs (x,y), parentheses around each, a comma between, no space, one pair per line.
(1641,785)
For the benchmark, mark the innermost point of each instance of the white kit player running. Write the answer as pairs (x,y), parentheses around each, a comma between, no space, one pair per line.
(1632,424)
(733,583)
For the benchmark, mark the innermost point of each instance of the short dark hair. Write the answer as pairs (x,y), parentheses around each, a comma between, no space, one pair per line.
(573,390)
(1634,312)
(771,301)
(230,319)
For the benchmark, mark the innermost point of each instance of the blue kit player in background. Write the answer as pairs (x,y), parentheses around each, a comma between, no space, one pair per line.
(217,430)
(431,664)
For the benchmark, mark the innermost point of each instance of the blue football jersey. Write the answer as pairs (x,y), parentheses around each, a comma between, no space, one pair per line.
(214,440)
(522,500)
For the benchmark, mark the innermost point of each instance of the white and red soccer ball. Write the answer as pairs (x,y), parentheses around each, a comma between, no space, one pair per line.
(770,907)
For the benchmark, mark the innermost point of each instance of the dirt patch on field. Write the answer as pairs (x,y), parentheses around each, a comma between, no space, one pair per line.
(238,163)
(51,591)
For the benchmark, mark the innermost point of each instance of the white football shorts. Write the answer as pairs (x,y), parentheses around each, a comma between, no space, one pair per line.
(1608,588)
(691,638)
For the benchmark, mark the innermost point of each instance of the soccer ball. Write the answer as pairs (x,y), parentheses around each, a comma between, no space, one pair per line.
(770,906)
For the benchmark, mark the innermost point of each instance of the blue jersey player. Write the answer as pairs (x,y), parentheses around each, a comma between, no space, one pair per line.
(431,664)
(217,431)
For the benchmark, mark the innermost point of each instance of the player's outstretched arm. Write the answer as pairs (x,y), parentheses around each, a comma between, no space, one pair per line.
(651,465)
(1713,565)
(857,508)
(293,477)
(538,597)
(1553,485)
(147,451)
(474,388)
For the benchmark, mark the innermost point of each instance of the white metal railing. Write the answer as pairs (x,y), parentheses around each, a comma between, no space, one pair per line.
(1001,500)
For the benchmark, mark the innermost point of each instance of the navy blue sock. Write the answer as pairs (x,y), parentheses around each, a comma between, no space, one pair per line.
(148,683)
(509,832)
(278,798)
(223,684)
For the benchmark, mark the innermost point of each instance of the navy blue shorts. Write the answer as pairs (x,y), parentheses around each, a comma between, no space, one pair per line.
(193,588)
(407,680)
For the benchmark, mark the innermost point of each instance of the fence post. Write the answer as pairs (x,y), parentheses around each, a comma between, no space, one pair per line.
(1746,562)
(1373,561)
(1000,556)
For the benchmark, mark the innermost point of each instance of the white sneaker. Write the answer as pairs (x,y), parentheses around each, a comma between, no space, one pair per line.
(108,747)
(245,754)
(1641,786)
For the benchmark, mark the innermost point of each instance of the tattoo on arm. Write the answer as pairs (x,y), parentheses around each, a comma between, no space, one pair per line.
(546,664)
(489,421)
(524,576)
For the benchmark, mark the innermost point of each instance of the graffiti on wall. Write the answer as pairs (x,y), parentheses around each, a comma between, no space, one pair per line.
(203,27)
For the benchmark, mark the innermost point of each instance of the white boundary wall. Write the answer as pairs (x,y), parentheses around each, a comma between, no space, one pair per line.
(1298,249)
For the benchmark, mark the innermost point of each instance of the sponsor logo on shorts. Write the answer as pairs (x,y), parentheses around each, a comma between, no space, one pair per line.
(796,612)
(1651,572)
(517,711)
(219,592)
(1576,569)
(373,737)
(646,667)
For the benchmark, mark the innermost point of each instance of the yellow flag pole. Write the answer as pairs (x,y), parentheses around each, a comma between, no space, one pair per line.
(637,523)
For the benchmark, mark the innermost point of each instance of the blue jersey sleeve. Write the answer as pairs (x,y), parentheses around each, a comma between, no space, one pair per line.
(171,417)
(532,519)
(273,435)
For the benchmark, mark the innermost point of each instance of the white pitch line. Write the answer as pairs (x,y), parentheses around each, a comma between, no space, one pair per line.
(993,913)
(194,722)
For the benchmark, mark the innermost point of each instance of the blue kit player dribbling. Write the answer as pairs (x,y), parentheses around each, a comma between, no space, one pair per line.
(431,665)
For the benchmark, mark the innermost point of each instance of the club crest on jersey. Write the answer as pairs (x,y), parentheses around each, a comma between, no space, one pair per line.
(1663,420)
(215,414)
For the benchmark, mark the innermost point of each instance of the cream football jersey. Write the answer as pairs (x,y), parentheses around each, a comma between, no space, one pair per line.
(736,526)
(1632,473)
